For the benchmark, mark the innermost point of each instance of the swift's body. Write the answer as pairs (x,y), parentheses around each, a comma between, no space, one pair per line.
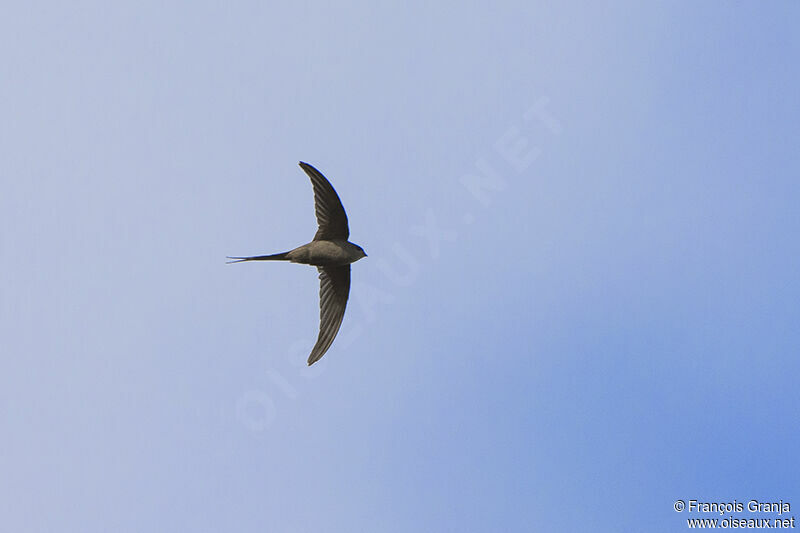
(316,253)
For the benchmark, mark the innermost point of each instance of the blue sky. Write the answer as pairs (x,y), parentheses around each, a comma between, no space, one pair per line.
(604,324)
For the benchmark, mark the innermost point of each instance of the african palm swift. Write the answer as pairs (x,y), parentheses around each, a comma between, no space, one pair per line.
(331,253)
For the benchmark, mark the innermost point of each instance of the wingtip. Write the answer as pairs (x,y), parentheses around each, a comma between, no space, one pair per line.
(308,167)
(313,358)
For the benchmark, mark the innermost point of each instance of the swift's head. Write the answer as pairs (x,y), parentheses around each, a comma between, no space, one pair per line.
(360,252)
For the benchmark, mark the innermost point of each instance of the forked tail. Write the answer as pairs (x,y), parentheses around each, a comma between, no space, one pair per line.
(273,257)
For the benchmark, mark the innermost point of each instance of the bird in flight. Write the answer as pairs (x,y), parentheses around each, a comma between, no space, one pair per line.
(331,253)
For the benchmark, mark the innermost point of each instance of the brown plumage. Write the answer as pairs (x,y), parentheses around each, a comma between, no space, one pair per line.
(331,253)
